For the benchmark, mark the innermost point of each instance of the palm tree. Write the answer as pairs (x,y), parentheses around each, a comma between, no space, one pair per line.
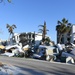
(43,31)
(11,28)
(62,28)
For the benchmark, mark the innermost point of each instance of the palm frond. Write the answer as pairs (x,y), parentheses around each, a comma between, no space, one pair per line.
(7,26)
(44,22)
(69,24)
(41,26)
(14,26)
(3,0)
(9,1)
(57,27)
(58,22)
(64,21)
(11,28)
(47,30)
(40,30)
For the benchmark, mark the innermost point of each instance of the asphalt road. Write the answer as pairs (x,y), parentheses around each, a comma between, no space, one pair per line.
(38,67)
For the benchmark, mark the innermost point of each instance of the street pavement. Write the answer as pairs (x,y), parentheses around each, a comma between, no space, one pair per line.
(27,66)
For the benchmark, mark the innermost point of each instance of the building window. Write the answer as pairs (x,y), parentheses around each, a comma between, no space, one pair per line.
(74,41)
(68,39)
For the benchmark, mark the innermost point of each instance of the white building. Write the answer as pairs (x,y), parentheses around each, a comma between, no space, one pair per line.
(26,38)
(73,34)
(38,38)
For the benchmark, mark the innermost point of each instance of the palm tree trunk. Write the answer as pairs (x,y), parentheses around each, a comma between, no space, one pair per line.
(60,38)
(9,39)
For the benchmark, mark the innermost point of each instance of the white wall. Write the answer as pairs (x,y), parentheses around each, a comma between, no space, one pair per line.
(73,33)
(38,37)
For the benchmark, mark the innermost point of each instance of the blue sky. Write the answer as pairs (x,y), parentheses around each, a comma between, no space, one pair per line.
(28,14)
